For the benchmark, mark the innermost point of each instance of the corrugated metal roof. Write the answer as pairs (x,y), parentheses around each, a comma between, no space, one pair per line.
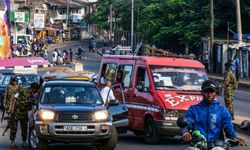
(72,3)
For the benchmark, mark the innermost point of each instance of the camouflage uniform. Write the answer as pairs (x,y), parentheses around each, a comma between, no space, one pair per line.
(20,114)
(230,84)
(11,90)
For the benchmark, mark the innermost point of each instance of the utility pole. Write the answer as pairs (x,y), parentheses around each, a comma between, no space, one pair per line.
(67,16)
(132,25)
(239,30)
(211,33)
(238,15)
(110,19)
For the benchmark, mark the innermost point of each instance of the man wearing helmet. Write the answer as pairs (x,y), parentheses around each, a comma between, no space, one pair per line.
(209,117)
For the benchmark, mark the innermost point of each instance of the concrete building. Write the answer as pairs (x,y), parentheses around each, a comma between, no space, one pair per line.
(30,17)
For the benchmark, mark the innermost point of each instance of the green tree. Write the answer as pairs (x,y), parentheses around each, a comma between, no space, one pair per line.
(172,24)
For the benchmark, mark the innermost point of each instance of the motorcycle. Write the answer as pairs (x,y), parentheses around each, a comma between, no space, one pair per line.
(199,141)
(81,56)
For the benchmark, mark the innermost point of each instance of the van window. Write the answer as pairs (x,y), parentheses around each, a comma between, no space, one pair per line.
(108,72)
(123,75)
(142,79)
(178,78)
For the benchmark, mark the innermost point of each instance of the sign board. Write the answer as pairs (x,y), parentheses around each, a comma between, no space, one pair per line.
(123,38)
(5,50)
(65,27)
(39,21)
(76,18)
(19,17)
(23,61)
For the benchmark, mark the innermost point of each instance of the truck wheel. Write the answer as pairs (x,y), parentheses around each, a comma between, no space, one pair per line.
(110,143)
(151,135)
(33,139)
(35,143)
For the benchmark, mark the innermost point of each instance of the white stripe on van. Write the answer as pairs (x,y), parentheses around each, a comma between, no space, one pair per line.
(143,107)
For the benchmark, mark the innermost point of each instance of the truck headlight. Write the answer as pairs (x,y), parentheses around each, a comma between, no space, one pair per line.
(46,115)
(101,115)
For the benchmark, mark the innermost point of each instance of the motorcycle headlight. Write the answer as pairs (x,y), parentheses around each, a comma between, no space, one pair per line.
(101,115)
(46,115)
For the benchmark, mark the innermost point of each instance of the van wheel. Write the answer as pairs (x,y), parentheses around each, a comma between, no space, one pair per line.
(151,135)
(110,143)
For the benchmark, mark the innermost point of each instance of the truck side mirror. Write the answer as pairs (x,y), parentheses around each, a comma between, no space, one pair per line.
(140,86)
(113,102)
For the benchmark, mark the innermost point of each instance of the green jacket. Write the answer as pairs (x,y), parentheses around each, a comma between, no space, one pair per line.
(230,81)
(21,106)
(10,91)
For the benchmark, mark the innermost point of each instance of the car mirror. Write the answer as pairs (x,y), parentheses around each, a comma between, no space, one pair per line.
(113,102)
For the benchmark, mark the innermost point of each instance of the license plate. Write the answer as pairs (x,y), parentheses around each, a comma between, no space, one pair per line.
(75,128)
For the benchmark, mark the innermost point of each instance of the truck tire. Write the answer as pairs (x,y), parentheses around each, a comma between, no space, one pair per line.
(110,143)
(36,143)
(33,139)
(151,135)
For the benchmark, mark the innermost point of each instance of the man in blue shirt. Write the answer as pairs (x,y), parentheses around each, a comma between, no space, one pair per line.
(235,67)
(209,117)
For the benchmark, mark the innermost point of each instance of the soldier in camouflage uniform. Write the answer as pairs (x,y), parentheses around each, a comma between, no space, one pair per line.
(20,113)
(10,91)
(230,84)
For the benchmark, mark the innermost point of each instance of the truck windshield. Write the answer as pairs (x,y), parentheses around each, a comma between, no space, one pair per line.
(74,95)
(26,80)
(178,78)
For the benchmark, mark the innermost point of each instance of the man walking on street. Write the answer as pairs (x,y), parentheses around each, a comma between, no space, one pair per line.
(70,55)
(230,84)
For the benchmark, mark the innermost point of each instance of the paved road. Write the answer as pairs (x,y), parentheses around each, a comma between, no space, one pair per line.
(129,141)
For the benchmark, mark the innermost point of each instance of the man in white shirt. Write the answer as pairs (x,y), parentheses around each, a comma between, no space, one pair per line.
(107,93)
(54,56)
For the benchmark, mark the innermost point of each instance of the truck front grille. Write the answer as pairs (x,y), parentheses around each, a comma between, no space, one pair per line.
(74,117)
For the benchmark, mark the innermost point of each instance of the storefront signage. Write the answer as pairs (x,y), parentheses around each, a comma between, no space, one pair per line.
(19,17)
(39,21)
